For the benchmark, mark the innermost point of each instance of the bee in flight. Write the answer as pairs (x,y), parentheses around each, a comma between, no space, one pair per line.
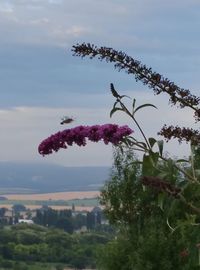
(66,120)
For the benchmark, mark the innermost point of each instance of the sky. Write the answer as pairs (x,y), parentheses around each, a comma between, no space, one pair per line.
(41,81)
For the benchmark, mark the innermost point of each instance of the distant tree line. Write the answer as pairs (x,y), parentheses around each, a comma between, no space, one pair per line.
(64,219)
(67,220)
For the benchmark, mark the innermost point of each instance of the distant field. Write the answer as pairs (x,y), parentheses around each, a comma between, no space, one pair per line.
(56,207)
(76,202)
(53,196)
(85,200)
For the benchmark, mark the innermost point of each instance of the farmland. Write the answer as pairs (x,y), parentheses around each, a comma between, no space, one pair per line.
(85,200)
(54,196)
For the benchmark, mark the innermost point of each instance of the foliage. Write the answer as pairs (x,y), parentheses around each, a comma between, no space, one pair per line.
(142,218)
(64,219)
(23,244)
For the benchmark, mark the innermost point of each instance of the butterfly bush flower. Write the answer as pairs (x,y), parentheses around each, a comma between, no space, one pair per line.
(109,133)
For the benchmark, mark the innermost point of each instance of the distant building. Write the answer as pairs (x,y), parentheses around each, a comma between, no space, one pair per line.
(83,229)
(27,221)
(96,210)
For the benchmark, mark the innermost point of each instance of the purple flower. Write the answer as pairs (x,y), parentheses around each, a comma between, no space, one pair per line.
(109,133)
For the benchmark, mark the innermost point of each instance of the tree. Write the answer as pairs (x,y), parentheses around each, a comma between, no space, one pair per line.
(18,208)
(2,212)
(142,224)
(90,220)
(66,224)
(79,221)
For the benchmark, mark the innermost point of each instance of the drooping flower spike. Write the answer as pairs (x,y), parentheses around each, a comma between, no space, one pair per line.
(109,133)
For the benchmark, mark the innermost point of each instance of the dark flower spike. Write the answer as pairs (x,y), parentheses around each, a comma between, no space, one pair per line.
(114,92)
(160,185)
(152,79)
(182,134)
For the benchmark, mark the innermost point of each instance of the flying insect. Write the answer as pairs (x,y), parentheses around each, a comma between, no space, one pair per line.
(66,120)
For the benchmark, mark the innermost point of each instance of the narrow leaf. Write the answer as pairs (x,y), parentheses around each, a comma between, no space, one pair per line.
(197,172)
(116,102)
(161,200)
(143,188)
(181,160)
(114,110)
(163,174)
(142,144)
(143,106)
(160,144)
(154,157)
(136,162)
(124,96)
(152,141)
(133,105)
(147,168)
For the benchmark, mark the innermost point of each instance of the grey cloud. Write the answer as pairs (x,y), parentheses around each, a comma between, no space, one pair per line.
(6,7)
(146,26)
(49,76)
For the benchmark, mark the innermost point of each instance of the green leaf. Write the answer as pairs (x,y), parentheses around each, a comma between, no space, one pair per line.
(163,174)
(127,141)
(154,156)
(133,105)
(150,163)
(124,96)
(197,172)
(146,165)
(160,144)
(181,160)
(116,102)
(161,197)
(137,162)
(152,141)
(171,228)
(190,218)
(114,110)
(193,147)
(142,144)
(143,106)
(143,188)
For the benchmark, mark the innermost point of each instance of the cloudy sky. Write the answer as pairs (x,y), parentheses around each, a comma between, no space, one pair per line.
(41,81)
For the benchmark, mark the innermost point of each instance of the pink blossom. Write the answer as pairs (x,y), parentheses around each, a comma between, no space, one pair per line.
(109,133)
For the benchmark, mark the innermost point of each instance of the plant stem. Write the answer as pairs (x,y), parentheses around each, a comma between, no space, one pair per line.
(190,177)
(137,124)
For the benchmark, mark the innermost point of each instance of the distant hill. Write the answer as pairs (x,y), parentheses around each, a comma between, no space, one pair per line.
(50,178)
